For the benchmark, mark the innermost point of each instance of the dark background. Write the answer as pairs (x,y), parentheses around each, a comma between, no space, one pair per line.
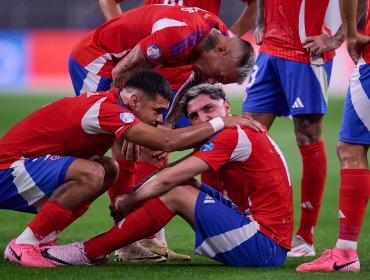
(77,14)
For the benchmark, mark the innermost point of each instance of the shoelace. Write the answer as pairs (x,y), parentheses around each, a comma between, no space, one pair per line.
(326,255)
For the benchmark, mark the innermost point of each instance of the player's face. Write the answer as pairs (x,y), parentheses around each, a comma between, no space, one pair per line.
(150,111)
(203,108)
(213,68)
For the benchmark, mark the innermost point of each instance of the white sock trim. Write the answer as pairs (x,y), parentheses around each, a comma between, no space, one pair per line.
(345,244)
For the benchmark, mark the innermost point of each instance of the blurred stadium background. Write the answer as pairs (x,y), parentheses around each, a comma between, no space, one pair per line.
(35,41)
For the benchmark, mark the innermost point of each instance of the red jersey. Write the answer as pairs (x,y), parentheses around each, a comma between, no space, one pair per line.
(166,34)
(254,174)
(288,23)
(82,126)
(366,50)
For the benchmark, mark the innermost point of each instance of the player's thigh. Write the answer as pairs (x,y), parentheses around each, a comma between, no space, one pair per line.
(26,185)
(356,114)
(264,92)
(226,235)
(305,86)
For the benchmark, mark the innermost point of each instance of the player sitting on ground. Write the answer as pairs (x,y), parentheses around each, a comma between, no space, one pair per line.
(52,163)
(255,231)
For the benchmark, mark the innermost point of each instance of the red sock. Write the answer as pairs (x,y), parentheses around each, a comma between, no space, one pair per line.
(81,210)
(145,221)
(211,179)
(354,194)
(52,217)
(126,178)
(312,187)
(143,170)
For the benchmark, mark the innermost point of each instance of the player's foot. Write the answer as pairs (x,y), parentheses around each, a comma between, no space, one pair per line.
(72,254)
(341,260)
(135,253)
(301,248)
(25,255)
(156,247)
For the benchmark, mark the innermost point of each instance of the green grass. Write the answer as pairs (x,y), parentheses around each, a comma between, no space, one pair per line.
(179,234)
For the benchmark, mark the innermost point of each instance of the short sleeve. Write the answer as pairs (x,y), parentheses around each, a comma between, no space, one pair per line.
(116,119)
(219,149)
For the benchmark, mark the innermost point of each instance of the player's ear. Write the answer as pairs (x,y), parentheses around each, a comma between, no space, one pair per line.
(134,101)
(227,107)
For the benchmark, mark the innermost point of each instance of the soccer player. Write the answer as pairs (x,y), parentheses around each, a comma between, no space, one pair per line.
(134,172)
(52,163)
(255,231)
(289,80)
(352,148)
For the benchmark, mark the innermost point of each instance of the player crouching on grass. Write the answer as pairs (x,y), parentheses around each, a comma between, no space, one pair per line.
(52,162)
(255,231)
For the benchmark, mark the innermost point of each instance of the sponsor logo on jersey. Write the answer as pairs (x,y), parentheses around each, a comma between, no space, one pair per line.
(126,117)
(190,9)
(154,51)
(206,147)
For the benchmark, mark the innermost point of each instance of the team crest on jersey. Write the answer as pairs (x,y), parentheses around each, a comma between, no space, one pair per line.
(206,147)
(126,117)
(154,51)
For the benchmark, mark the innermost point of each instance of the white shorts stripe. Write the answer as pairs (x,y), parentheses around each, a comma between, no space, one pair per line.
(360,101)
(226,241)
(26,186)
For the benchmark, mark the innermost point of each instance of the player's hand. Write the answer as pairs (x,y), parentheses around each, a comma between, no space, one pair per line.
(243,121)
(152,157)
(130,151)
(317,45)
(354,46)
(259,34)
(124,205)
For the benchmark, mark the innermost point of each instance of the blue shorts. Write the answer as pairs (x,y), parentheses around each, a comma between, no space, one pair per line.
(25,185)
(284,87)
(224,234)
(356,115)
(85,81)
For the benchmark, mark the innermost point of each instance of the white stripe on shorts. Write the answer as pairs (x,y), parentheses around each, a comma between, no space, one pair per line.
(360,101)
(26,186)
(226,241)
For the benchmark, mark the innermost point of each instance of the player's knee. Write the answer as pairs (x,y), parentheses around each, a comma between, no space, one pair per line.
(111,171)
(92,178)
(348,156)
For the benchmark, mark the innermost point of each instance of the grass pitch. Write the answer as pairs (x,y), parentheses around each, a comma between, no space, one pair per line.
(179,235)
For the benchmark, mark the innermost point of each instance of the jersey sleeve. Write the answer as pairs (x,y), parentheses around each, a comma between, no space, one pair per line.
(218,151)
(116,119)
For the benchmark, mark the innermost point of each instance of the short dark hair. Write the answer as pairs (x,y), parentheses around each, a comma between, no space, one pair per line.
(213,91)
(151,83)
(246,61)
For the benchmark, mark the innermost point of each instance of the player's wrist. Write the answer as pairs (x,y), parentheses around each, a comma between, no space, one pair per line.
(217,124)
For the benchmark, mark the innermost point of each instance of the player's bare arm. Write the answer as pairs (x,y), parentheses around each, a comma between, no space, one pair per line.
(175,111)
(350,14)
(183,138)
(246,21)
(110,8)
(133,62)
(259,31)
(317,45)
(161,183)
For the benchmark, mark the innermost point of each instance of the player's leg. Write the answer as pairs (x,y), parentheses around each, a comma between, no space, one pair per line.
(305,86)
(354,190)
(72,185)
(264,98)
(153,215)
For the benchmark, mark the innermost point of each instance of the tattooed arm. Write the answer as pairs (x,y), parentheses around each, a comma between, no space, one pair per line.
(133,62)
